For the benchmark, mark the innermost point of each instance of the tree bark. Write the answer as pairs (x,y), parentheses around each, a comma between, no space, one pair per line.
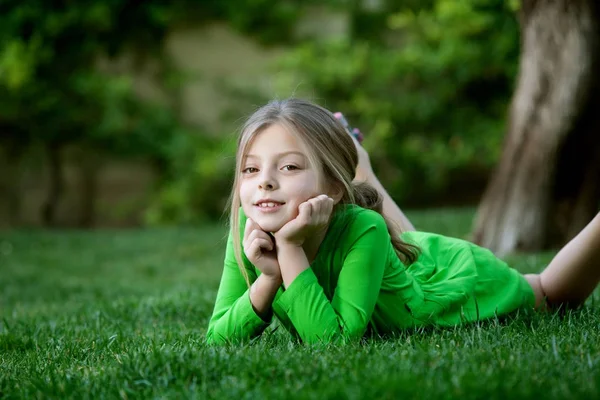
(56,184)
(15,162)
(546,186)
(89,165)
(10,180)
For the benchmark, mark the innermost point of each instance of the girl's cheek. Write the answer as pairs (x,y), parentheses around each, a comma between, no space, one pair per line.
(246,209)
(294,214)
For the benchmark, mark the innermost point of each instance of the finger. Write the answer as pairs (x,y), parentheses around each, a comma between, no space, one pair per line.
(250,232)
(262,235)
(322,209)
(249,227)
(305,211)
(326,208)
(254,224)
(258,246)
(316,206)
(264,244)
(330,203)
(320,203)
(253,252)
(254,234)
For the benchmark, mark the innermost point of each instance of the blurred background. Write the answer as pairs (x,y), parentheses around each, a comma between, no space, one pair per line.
(124,113)
(118,113)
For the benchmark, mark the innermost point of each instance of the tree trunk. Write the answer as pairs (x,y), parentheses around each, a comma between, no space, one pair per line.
(10,180)
(15,160)
(89,165)
(546,186)
(56,185)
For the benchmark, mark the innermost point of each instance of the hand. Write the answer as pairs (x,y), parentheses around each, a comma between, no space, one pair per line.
(313,215)
(260,250)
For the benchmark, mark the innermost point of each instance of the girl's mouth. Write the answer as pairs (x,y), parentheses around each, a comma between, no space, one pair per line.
(269,207)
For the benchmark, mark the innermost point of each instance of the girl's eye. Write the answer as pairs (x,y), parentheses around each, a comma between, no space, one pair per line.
(290,167)
(249,170)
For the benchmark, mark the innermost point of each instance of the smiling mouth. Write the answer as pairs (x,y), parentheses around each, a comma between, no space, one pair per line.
(269,205)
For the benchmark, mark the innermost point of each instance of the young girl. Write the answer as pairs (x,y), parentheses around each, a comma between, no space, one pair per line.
(319,249)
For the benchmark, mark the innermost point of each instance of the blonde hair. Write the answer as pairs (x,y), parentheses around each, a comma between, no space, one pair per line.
(331,150)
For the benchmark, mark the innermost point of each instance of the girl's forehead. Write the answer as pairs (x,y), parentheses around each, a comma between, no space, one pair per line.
(275,138)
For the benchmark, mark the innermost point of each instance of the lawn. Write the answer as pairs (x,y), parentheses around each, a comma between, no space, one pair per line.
(122,314)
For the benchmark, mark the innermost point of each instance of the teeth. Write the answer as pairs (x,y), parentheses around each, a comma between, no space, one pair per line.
(270,205)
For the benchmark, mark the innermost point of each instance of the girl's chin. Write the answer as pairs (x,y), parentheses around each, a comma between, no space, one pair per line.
(269,223)
(268,226)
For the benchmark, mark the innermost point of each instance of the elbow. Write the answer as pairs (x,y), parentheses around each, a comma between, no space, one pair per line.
(210,337)
(334,336)
(213,338)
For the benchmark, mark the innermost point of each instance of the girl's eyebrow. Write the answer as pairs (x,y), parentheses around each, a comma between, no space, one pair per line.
(278,155)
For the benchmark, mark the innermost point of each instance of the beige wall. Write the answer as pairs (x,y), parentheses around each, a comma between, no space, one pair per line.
(123,189)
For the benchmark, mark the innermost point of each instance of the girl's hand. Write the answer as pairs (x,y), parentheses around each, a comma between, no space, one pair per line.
(313,215)
(260,250)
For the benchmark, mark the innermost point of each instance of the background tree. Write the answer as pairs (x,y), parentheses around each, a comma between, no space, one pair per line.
(547,184)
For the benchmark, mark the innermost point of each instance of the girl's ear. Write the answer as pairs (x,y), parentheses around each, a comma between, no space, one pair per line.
(336,193)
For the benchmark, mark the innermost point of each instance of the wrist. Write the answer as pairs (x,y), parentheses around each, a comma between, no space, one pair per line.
(262,293)
(293,262)
(288,245)
(272,280)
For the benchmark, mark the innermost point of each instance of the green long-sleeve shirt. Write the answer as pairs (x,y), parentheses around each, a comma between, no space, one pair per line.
(357,283)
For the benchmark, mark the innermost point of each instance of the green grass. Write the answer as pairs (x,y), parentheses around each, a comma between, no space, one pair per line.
(122,314)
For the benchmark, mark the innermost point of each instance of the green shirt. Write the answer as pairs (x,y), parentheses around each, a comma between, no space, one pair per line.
(357,284)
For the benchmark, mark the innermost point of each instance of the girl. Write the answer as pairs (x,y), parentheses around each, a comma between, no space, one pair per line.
(322,252)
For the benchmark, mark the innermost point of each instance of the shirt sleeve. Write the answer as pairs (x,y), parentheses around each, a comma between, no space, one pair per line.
(234,318)
(347,316)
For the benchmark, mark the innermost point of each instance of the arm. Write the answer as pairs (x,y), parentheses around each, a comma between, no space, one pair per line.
(293,262)
(349,312)
(262,293)
(240,313)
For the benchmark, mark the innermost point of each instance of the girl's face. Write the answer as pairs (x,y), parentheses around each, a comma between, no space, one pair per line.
(276,178)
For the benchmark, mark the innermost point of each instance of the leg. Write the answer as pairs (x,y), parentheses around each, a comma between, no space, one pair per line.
(364,173)
(574,272)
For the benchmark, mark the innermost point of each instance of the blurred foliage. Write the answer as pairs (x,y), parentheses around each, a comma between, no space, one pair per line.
(51,91)
(428,82)
(53,94)
(199,182)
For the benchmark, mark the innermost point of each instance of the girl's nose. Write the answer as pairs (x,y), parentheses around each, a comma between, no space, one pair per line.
(267,182)
(266,185)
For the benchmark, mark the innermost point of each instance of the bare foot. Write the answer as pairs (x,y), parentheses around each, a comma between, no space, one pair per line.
(364,171)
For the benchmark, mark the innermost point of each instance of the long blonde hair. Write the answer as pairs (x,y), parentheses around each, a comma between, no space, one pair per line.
(331,150)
